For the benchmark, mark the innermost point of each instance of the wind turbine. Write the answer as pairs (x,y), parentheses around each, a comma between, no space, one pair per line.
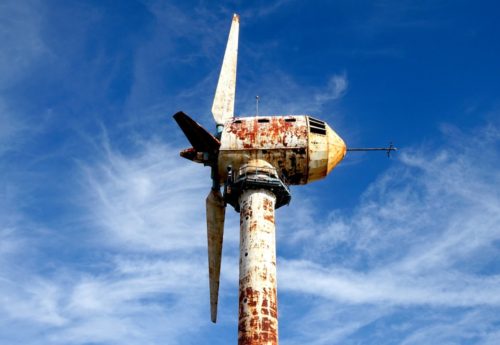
(255,159)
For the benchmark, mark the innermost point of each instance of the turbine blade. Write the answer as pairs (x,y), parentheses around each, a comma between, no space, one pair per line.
(215,232)
(223,107)
(198,136)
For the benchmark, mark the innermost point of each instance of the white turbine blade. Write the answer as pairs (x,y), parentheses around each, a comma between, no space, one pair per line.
(223,107)
(215,232)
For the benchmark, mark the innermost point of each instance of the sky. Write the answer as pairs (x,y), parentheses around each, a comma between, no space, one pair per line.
(102,228)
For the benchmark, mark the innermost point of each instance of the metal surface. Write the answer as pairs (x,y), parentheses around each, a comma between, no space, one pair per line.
(325,149)
(223,106)
(260,176)
(288,143)
(258,310)
(280,140)
(215,232)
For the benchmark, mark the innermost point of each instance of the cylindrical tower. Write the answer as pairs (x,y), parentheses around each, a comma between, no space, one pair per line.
(258,310)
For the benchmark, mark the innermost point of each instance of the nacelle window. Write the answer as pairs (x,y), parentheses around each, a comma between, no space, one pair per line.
(263,120)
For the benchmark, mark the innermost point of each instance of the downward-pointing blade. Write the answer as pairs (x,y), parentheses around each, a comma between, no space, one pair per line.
(223,107)
(215,232)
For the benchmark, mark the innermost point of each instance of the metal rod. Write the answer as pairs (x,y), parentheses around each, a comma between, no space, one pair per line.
(388,149)
(373,149)
(257,105)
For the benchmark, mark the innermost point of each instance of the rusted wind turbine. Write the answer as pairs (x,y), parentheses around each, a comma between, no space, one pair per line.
(255,159)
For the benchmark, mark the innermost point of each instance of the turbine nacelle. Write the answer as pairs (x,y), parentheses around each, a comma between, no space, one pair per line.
(302,149)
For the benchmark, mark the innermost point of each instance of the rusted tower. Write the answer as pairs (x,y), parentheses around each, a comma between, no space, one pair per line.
(255,159)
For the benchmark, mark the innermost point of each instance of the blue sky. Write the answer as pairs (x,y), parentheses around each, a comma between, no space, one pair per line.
(102,229)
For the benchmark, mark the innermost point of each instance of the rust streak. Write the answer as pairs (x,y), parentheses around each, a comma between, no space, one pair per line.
(258,316)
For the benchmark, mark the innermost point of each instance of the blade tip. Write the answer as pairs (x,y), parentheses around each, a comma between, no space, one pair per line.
(236,17)
(178,114)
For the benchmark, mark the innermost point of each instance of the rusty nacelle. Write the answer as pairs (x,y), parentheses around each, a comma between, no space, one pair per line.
(301,148)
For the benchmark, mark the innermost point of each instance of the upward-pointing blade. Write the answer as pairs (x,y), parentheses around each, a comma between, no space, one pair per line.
(215,232)
(223,107)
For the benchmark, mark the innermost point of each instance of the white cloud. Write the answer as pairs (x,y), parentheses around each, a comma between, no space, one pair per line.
(295,98)
(135,300)
(146,274)
(438,208)
(454,329)
(420,240)
(425,235)
(152,200)
(337,86)
(265,9)
(130,302)
(34,299)
(393,286)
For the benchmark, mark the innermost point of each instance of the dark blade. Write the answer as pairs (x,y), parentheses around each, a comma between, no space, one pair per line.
(215,232)
(198,136)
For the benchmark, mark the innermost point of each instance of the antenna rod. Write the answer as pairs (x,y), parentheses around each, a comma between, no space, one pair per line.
(373,149)
(257,105)
(387,149)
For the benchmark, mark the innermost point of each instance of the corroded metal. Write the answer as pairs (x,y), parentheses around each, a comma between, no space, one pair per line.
(288,143)
(258,306)
(266,154)
(223,106)
(324,153)
(279,140)
(261,176)
(215,232)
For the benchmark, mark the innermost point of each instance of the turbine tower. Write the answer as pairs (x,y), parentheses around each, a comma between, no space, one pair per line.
(255,159)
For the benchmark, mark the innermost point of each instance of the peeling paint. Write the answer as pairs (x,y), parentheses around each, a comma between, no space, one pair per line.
(286,142)
(258,311)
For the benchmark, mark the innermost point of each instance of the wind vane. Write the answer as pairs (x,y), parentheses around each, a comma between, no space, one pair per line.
(255,159)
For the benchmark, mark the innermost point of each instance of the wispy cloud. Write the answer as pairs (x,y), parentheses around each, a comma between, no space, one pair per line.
(424,235)
(407,245)
(391,287)
(267,8)
(143,220)
(295,98)
(136,199)
(124,261)
(337,86)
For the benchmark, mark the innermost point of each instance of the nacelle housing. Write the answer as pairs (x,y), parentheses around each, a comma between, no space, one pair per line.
(301,148)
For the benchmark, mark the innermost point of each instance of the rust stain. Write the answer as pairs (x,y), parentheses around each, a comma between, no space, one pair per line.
(267,204)
(273,141)
(269,218)
(286,142)
(258,311)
